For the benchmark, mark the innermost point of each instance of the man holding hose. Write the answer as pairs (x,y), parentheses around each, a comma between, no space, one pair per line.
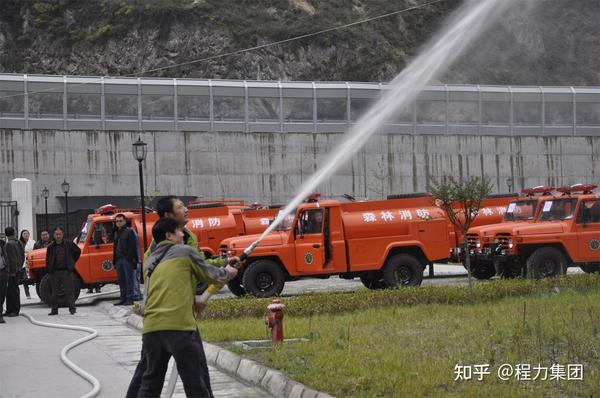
(172,272)
(172,207)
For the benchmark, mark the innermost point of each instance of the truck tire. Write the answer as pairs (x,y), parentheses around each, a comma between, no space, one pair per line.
(402,270)
(372,280)
(590,268)
(483,271)
(235,286)
(46,290)
(263,278)
(546,262)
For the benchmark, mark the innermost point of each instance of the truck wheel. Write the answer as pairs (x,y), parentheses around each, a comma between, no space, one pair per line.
(372,280)
(263,278)
(235,286)
(546,262)
(590,268)
(46,291)
(402,270)
(483,271)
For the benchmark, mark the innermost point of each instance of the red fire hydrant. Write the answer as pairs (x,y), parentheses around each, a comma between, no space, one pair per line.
(274,321)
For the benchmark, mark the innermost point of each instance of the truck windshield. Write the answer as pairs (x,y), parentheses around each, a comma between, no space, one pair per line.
(287,222)
(521,210)
(558,209)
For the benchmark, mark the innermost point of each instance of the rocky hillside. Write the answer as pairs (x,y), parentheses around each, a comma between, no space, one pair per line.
(556,42)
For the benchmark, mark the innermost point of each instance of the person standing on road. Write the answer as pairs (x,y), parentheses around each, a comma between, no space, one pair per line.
(61,257)
(125,258)
(3,278)
(15,257)
(28,245)
(173,271)
(43,242)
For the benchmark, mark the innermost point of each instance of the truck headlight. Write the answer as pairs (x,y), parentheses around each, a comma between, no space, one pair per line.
(510,244)
(477,243)
(230,253)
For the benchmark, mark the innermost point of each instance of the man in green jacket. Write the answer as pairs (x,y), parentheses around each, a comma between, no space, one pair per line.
(171,207)
(172,271)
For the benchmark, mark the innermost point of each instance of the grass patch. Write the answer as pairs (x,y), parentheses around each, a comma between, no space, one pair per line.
(336,303)
(397,350)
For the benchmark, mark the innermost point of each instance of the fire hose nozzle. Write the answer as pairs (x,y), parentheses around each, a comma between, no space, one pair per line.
(247,251)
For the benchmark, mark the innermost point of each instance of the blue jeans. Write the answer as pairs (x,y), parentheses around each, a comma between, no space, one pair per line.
(126,274)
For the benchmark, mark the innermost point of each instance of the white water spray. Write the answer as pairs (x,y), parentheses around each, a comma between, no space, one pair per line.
(466,24)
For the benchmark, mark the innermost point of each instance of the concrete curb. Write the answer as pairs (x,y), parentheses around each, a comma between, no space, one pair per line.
(250,371)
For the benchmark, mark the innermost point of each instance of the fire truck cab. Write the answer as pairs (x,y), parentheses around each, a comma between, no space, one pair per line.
(563,231)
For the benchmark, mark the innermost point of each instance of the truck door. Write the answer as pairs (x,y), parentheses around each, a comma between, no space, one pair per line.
(100,253)
(588,231)
(310,242)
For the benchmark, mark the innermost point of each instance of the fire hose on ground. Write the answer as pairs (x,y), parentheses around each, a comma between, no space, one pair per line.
(63,354)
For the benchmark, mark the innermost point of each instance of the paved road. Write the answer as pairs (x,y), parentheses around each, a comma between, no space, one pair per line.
(31,365)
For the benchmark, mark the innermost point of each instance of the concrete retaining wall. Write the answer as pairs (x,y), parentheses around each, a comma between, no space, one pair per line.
(268,167)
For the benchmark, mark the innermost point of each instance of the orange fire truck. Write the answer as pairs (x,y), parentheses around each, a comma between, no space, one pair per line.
(563,232)
(211,222)
(386,243)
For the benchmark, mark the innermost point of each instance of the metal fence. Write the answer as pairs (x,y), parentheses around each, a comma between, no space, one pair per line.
(145,104)
(9,215)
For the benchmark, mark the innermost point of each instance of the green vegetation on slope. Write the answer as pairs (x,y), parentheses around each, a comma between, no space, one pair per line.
(553,43)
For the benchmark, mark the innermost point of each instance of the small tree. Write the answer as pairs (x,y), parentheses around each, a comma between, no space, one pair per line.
(461,201)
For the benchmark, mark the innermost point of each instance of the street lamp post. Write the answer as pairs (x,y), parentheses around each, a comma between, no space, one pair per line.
(46,195)
(139,150)
(65,188)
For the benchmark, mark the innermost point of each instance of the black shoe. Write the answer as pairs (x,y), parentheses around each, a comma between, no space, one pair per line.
(53,312)
(2,320)
(90,291)
(12,315)
(72,311)
(128,303)
(120,303)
